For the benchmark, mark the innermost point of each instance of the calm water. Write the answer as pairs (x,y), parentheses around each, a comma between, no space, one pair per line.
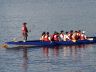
(47,15)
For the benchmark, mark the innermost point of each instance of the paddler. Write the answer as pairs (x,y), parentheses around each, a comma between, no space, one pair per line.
(70,34)
(42,36)
(83,36)
(61,35)
(24,31)
(74,36)
(47,37)
(55,36)
(78,34)
(66,37)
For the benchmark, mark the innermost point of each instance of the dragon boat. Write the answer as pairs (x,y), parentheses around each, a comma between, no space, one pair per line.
(90,40)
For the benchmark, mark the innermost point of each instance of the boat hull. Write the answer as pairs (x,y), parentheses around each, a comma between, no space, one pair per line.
(53,43)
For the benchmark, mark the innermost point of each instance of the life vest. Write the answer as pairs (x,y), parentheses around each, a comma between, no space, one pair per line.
(46,38)
(62,36)
(66,37)
(24,29)
(55,37)
(74,37)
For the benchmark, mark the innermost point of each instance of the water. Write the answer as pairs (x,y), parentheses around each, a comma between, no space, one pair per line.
(47,15)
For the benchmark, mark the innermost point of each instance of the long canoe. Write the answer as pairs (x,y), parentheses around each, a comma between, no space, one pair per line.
(52,43)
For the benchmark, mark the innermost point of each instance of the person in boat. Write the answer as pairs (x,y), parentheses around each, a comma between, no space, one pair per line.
(70,34)
(24,31)
(83,36)
(74,36)
(78,34)
(55,36)
(61,35)
(42,36)
(66,37)
(45,36)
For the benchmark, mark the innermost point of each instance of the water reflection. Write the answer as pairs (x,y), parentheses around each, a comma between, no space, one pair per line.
(64,56)
(47,51)
(67,52)
(25,59)
(56,51)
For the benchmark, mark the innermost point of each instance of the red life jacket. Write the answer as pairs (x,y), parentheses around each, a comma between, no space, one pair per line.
(46,38)
(55,37)
(24,29)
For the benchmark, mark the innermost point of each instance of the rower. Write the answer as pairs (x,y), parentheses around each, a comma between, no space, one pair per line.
(83,36)
(74,36)
(66,37)
(47,37)
(78,34)
(55,36)
(61,35)
(42,36)
(70,34)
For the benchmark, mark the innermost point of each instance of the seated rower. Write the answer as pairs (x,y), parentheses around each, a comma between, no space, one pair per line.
(66,37)
(42,36)
(70,34)
(47,37)
(74,36)
(55,36)
(83,36)
(61,35)
(78,34)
